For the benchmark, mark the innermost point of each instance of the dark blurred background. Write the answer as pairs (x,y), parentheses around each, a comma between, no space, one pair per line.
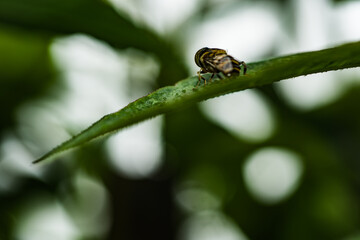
(278,162)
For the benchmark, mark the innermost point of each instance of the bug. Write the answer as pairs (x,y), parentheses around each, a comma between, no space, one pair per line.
(215,61)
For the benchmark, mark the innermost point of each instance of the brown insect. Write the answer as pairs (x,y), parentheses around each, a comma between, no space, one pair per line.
(215,61)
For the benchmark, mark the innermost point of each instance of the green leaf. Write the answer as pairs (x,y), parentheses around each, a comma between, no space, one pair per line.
(93,17)
(184,93)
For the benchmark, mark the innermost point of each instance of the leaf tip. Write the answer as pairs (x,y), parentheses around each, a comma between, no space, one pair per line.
(44,157)
(39,159)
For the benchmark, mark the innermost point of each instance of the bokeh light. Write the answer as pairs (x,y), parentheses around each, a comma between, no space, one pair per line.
(137,152)
(89,206)
(272,174)
(211,225)
(45,218)
(245,114)
(316,90)
(195,198)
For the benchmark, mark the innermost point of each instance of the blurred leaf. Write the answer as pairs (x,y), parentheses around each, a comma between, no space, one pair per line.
(93,17)
(26,69)
(184,94)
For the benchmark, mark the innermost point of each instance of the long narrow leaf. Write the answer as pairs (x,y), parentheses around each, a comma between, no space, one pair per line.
(184,92)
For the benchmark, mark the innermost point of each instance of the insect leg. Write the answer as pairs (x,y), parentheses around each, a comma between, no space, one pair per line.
(212,75)
(200,77)
(244,65)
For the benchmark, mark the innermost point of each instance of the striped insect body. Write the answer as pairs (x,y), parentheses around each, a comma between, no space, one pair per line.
(215,61)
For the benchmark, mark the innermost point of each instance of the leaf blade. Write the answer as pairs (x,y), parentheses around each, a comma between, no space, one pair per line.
(183,93)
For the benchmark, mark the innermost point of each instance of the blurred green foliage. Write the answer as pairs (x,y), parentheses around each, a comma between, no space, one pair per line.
(26,69)
(326,204)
